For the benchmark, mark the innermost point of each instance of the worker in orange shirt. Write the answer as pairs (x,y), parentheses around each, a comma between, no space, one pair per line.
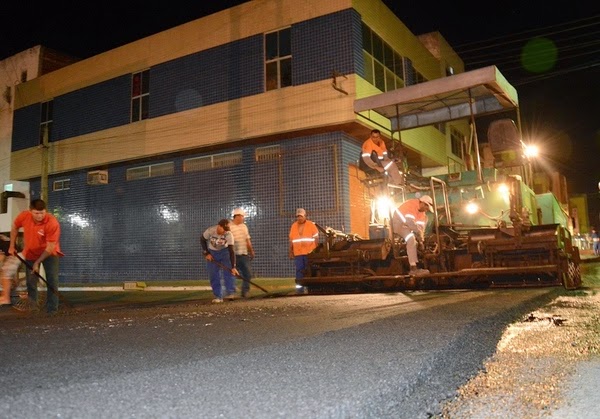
(304,238)
(410,220)
(41,232)
(375,156)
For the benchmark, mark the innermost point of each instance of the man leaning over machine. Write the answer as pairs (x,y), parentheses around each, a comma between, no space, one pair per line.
(410,220)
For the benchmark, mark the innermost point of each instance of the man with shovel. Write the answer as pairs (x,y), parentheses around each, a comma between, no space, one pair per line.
(41,232)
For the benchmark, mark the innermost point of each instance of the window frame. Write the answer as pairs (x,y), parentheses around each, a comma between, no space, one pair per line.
(278,64)
(140,96)
(61,185)
(381,72)
(46,119)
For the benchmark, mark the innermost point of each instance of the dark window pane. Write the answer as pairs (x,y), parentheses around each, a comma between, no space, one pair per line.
(135,110)
(366,39)
(398,65)
(145,106)
(136,85)
(50,110)
(271,45)
(379,77)
(286,72)
(377,48)
(271,76)
(388,56)
(145,81)
(285,42)
(44,112)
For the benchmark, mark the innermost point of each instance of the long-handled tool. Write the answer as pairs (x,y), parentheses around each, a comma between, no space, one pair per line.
(50,287)
(220,265)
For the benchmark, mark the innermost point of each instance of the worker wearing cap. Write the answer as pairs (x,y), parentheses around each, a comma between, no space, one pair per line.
(410,220)
(304,238)
(242,246)
(375,156)
(217,247)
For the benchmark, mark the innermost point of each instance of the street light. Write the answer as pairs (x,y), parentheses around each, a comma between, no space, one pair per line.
(531,151)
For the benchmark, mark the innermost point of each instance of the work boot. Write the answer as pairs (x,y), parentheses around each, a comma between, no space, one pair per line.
(418,272)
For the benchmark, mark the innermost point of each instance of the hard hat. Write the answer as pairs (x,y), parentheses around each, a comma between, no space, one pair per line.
(301,211)
(239,211)
(427,199)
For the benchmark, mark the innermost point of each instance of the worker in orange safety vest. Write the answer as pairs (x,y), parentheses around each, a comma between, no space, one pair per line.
(304,238)
(410,220)
(375,156)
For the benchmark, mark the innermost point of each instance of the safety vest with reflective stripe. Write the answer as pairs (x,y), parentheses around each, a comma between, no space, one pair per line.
(411,216)
(307,242)
(369,146)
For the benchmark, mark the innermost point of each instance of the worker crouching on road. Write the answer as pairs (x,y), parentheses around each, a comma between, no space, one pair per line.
(217,247)
(304,238)
(410,220)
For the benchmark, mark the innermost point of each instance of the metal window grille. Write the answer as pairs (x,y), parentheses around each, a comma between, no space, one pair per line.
(268,153)
(215,161)
(153,170)
(227,159)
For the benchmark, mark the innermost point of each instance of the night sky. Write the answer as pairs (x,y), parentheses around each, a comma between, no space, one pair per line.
(559,94)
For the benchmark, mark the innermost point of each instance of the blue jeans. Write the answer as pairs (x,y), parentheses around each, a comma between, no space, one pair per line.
(215,272)
(301,263)
(51,270)
(244,267)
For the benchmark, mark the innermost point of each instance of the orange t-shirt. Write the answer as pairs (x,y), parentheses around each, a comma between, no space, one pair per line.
(37,235)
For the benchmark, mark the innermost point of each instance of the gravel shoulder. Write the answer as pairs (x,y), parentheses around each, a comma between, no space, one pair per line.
(546,365)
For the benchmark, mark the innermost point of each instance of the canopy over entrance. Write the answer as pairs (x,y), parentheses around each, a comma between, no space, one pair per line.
(477,92)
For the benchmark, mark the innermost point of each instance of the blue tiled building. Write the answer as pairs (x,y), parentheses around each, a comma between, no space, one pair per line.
(151,143)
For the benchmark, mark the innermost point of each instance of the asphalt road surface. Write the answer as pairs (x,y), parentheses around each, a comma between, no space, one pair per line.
(395,355)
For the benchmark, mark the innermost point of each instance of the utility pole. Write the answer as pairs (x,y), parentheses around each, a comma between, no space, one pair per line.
(44,176)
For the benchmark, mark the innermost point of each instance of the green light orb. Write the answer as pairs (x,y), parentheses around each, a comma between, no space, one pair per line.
(539,55)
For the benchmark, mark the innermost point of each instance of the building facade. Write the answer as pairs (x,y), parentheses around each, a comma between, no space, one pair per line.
(151,143)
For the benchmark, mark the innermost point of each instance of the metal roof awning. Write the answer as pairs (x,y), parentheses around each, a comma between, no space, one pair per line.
(478,92)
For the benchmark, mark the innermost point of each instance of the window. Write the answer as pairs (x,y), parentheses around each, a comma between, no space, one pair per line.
(278,59)
(8,95)
(61,185)
(152,170)
(384,67)
(456,142)
(268,153)
(140,95)
(46,121)
(215,161)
